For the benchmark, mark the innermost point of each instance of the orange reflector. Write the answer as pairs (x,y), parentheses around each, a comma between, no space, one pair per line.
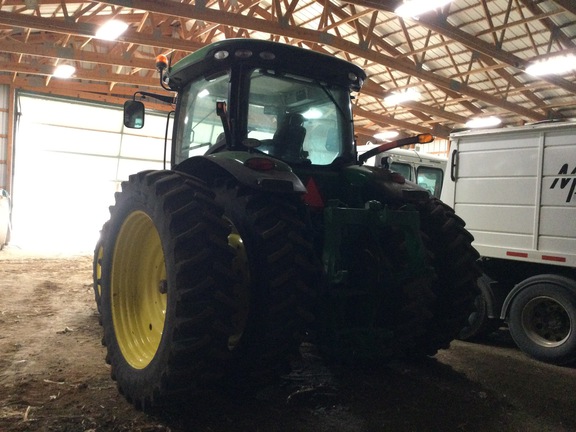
(161,62)
(260,164)
(425,138)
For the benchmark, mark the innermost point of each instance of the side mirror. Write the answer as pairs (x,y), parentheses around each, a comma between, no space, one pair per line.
(133,114)
(385,162)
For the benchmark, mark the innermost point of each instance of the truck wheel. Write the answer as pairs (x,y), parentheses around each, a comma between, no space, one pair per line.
(279,269)
(168,297)
(454,260)
(542,318)
(479,324)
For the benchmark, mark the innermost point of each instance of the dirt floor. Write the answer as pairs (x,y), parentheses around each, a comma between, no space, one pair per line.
(53,377)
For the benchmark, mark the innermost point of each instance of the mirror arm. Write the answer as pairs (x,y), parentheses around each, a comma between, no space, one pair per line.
(161,98)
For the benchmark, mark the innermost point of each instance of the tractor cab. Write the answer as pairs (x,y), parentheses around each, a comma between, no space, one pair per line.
(283,111)
(272,99)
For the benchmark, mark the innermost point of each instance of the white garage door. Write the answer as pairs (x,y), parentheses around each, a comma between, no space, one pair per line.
(70,159)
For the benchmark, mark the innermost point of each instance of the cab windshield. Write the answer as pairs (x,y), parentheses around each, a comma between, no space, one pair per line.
(295,119)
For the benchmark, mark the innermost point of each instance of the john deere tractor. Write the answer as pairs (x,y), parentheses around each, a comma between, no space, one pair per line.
(267,231)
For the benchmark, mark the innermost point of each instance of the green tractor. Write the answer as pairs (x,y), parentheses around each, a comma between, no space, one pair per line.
(268,231)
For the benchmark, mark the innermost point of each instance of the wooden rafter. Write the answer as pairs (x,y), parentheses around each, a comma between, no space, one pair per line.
(467,59)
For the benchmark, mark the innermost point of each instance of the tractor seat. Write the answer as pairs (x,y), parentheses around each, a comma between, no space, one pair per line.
(289,138)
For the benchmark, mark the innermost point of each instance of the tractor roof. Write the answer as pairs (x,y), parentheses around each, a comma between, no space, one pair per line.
(223,55)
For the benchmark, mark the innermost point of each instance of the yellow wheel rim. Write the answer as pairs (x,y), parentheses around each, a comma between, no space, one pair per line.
(138,290)
(242,287)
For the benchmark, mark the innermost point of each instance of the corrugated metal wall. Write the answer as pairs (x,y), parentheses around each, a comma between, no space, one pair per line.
(70,157)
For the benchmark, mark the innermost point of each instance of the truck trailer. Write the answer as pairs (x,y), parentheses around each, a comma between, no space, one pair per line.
(516,189)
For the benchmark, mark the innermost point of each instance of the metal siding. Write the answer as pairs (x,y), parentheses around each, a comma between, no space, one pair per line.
(71,149)
(517,191)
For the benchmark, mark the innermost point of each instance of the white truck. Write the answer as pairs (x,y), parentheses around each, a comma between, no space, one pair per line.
(516,190)
(427,170)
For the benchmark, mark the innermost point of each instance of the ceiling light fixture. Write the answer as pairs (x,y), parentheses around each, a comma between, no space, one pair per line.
(111,30)
(386,135)
(64,71)
(415,8)
(397,98)
(483,122)
(312,114)
(556,65)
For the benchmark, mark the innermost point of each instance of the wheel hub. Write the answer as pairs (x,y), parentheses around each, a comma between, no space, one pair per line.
(546,322)
(138,290)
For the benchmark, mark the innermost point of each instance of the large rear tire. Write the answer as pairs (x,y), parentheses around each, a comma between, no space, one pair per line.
(279,269)
(454,260)
(168,299)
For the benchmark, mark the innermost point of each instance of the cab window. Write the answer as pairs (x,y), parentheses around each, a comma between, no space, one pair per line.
(201,126)
(402,168)
(430,179)
(296,119)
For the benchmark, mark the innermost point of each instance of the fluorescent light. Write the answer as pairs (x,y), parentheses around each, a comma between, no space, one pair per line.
(386,135)
(397,98)
(557,65)
(312,113)
(414,8)
(111,30)
(64,71)
(203,93)
(483,122)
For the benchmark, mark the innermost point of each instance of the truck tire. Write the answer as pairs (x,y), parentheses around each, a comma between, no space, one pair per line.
(168,296)
(542,318)
(479,324)
(279,269)
(454,260)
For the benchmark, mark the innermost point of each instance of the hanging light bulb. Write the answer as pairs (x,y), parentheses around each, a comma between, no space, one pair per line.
(64,71)
(557,65)
(111,29)
(397,98)
(483,122)
(386,135)
(415,8)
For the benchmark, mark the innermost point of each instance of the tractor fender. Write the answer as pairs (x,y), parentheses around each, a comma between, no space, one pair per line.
(492,297)
(270,176)
(389,185)
(561,281)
